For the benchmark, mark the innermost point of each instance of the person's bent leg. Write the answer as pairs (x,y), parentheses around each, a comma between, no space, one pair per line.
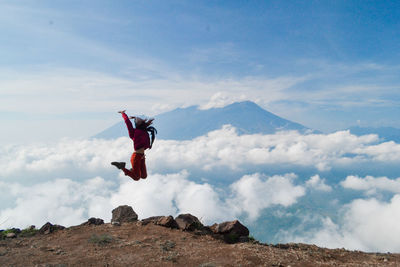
(130,174)
(133,173)
(136,161)
(143,170)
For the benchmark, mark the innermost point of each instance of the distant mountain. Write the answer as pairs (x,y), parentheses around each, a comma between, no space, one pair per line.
(191,122)
(387,133)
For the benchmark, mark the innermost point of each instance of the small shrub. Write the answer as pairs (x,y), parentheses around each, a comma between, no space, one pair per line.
(252,239)
(28,232)
(100,239)
(173,257)
(12,230)
(231,238)
(168,245)
(198,226)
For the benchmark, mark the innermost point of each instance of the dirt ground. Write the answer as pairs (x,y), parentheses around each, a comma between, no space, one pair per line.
(133,244)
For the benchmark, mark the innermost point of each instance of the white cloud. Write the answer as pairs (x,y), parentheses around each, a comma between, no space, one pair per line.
(68,202)
(172,194)
(367,224)
(33,192)
(222,99)
(371,184)
(387,152)
(313,150)
(253,193)
(319,184)
(61,201)
(70,157)
(320,151)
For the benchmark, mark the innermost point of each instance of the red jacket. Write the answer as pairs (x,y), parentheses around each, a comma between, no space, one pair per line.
(140,137)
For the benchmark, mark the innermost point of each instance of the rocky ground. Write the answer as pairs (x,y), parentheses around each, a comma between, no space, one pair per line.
(135,244)
(165,241)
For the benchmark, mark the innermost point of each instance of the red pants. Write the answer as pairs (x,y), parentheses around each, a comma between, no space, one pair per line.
(138,167)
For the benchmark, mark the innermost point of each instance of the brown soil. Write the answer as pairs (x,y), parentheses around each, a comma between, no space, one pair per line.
(133,244)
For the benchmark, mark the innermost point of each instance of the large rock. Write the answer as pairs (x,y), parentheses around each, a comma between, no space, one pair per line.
(48,228)
(124,214)
(93,221)
(166,221)
(231,232)
(188,222)
(153,220)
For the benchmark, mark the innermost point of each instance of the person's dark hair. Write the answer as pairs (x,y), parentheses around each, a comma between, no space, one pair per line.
(144,124)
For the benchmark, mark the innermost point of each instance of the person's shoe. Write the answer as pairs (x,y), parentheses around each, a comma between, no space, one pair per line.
(119,165)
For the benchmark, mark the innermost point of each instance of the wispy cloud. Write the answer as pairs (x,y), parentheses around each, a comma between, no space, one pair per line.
(67,90)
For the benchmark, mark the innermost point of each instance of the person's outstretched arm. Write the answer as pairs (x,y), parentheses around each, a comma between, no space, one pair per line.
(128,123)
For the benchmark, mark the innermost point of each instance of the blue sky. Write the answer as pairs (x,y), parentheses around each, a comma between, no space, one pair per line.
(68,66)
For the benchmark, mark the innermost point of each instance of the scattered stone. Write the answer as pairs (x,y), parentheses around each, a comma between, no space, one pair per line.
(3,251)
(208,264)
(11,235)
(232,232)
(188,222)
(93,221)
(124,214)
(48,228)
(116,223)
(172,256)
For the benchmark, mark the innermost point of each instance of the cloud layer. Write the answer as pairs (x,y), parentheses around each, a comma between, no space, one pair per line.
(69,202)
(224,148)
(367,224)
(72,180)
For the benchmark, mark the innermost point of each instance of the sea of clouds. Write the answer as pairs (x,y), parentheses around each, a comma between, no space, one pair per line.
(217,177)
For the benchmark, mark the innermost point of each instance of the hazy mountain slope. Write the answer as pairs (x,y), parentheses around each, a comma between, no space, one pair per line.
(191,122)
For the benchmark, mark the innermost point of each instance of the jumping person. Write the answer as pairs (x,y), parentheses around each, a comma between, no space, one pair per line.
(141,142)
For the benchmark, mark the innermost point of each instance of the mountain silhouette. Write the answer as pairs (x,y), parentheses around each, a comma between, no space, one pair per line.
(191,122)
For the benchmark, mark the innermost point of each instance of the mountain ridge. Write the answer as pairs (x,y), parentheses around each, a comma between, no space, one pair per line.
(187,123)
